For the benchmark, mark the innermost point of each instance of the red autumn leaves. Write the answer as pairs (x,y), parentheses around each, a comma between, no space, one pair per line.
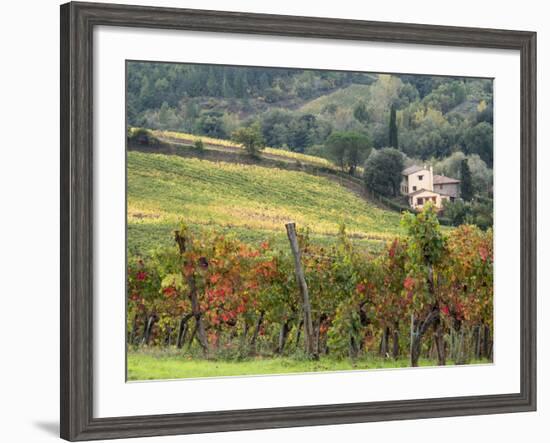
(237,281)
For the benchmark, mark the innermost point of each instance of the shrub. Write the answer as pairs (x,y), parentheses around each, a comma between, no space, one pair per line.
(199,145)
(142,137)
(250,138)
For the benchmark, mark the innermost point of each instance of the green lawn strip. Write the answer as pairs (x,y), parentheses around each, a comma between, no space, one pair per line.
(144,366)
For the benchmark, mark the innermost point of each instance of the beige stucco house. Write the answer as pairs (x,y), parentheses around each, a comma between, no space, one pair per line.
(421,186)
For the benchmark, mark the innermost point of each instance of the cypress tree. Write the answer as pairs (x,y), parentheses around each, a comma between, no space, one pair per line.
(466,187)
(393,142)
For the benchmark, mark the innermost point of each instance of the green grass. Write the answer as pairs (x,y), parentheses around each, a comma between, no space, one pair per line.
(250,201)
(146,366)
(345,98)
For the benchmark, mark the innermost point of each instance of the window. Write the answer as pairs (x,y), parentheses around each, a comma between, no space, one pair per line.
(420,177)
(414,188)
(419,200)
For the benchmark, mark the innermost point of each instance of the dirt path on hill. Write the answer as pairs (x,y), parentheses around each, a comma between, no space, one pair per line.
(189,144)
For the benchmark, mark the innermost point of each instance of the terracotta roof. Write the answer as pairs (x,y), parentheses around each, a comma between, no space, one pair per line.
(412,169)
(422,190)
(442,180)
(412,194)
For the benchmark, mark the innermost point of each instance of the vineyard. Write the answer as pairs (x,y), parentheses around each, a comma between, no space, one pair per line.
(268,231)
(225,306)
(247,201)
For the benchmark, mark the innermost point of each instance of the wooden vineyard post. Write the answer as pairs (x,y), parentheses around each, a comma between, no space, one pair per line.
(301,280)
(411,334)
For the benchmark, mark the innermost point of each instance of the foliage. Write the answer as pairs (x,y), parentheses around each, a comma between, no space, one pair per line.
(482,176)
(392,139)
(382,171)
(211,124)
(478,212)
(142,137)
(248,298)
(426,241)
(466,187)
(348,149)
(479,140)
(360,112)
(198,145)
(295,131)
(297,109)
(456,211)
(346,333)
(251,138)
(468,273)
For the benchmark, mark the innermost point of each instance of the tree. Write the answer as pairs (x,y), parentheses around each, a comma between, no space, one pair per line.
(210,123)
(251,139)
(482,176)
(383,171)
(456,211)
(275,127)
(167,117)
(393,142)
(479,140)
(241,84)
(466,188)
(348,149)
(360,112)
(141,136)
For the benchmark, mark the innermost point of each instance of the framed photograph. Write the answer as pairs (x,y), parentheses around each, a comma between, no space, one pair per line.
(273,221)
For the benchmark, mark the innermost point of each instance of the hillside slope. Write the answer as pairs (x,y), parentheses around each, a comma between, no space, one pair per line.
(248,201)
(183,139)
(346,97)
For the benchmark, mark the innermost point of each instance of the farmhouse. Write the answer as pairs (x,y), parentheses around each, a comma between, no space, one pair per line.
(421,186)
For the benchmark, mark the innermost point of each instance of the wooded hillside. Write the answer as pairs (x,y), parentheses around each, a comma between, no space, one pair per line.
(299,109)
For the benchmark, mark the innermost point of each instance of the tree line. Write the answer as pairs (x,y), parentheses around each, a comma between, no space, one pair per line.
(435,116)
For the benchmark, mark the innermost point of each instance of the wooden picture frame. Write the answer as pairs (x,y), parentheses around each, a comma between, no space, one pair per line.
(77,23)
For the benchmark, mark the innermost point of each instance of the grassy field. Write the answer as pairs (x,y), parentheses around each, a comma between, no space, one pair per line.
(158,366)
(209,142)
(249,201)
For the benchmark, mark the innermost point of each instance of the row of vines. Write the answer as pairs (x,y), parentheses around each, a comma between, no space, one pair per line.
(428,294)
